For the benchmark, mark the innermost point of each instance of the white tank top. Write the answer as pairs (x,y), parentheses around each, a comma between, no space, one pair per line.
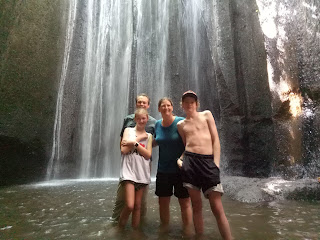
(135,167)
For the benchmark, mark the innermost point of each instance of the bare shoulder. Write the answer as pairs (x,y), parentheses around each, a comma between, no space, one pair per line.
(181,123)
(207,114)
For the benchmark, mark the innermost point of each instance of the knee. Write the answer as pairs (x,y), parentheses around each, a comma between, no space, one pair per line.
(137,206)
(217,211)
(197,206)
(130,207)
(185,204)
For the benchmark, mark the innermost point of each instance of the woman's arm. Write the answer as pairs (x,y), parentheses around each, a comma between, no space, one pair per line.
(146,152)
(154,142)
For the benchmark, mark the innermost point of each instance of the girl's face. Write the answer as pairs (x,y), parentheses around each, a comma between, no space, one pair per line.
(165,108)
(141,119)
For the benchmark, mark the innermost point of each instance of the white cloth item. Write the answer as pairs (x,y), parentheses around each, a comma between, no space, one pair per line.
(135,167)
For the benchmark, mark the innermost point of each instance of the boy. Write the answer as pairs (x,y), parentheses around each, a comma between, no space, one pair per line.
(200,163)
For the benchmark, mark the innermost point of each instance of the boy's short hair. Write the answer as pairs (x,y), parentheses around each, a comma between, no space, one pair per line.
(143,95)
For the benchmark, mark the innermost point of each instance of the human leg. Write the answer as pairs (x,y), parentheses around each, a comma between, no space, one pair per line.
(164,190)
(143,210)
(196,201)
(217,210)
(164,203)
(129,197)
(136,214)
(186,215)
(119,203)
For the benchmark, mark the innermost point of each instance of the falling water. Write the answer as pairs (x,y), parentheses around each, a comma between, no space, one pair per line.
(105,84)
(192,21)
(151,39)
(126,52)
(56,144)
(163,48)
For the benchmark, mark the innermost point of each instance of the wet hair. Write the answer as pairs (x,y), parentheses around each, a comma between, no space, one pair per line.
(140,111)
(143,95)
(164,99)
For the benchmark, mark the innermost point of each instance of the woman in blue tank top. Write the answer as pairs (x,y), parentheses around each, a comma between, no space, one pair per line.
(168,179)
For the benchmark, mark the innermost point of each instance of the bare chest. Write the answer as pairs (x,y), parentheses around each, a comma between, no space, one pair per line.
(193,128)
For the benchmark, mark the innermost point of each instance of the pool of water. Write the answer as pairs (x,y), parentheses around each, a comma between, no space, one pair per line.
(73,209)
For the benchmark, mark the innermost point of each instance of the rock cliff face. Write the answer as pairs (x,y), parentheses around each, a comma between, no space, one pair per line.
(262,86)
(31,44)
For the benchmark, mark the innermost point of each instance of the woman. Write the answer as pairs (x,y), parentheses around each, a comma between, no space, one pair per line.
(168,180)
(136,149)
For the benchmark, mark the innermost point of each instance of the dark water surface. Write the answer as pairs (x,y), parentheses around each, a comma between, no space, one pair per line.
(81,210)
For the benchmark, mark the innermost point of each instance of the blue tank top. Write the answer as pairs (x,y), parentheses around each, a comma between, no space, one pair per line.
(170,146)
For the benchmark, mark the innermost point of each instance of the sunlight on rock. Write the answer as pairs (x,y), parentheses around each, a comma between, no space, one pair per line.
(295,104)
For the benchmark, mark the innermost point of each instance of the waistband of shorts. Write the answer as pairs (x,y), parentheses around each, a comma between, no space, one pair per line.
(198,155)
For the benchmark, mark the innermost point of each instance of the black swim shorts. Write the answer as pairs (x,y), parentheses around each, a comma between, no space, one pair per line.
(166,183)
(200,172)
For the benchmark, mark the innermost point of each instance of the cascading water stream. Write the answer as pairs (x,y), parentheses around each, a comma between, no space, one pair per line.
(126,45)
(105,85)
(55,158)
(164,48)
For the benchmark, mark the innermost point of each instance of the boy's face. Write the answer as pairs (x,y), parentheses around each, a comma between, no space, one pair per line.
(142,102)
(189,105)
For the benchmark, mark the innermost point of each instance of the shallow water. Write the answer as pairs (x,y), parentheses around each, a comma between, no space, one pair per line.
(82,209)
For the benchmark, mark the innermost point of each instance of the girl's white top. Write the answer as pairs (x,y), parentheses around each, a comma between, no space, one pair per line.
(135,167)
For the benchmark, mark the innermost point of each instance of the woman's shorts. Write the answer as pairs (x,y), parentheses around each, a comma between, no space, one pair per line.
(170,183)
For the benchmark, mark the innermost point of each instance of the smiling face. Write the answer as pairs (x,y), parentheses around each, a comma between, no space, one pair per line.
(165,107)
(189,105)
(141,117)
(142,102)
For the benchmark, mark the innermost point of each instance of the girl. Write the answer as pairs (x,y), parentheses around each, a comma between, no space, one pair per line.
(136,149)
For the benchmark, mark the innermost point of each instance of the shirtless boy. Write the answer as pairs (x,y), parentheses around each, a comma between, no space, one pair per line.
(200,163)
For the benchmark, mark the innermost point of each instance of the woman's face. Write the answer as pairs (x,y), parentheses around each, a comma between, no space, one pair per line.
(166,108)
(141,119)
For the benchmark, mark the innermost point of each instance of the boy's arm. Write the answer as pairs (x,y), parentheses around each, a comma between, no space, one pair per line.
(183,137)
(214,136)
(180,131)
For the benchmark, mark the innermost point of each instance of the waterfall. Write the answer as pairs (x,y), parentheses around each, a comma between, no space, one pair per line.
(126,53)
(105,87)
(115,50)
(55,158)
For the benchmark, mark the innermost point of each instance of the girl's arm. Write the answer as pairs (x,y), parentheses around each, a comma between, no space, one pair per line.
(126,148)
(146,152)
